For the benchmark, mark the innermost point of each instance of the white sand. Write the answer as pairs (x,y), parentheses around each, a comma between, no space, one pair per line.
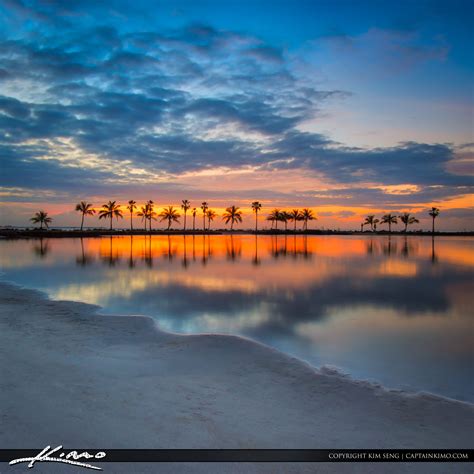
(72,377)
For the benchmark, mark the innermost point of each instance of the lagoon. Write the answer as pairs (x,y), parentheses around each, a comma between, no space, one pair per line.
(392,310)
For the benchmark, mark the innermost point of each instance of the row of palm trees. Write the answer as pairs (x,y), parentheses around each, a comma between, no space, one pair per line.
(232,214)
(406,218)
(170,214)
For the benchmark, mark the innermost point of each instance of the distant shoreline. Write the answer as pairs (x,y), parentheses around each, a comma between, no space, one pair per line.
(60,233)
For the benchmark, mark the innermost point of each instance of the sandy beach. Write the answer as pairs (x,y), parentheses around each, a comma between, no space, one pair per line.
(73,377)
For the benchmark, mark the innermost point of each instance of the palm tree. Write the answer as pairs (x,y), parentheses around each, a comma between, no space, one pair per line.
(86,210)
(194,212)
(109,211)
(211,215)
(143,213)
(295,216)
(372,221)
(132,205)
(389,219)
(185,205)
(307,215)
(41,217)
(169,214)
(256,206)
(274,217)
(204,208)
(232,215)
(434,213)
(407,219)
(284,217)
(151,214)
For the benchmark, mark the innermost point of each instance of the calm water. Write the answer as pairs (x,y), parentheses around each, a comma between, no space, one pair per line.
(393,310)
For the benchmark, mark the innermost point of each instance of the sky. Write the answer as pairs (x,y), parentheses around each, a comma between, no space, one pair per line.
(349,108)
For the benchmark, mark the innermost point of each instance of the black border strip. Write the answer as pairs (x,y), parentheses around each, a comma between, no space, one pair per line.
(254,455)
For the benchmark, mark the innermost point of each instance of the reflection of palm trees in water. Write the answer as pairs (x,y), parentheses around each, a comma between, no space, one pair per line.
(84,259)
(389,248)
(410,247)
(185,254)
(131,261)
(434,257)
(295,252)
(147,254)
(194,248)
(42,249)
(204,255)
(370,247)
(111,259)
(234,251)
(279,249)
(171,250)
(405,248)
(306,254)
(256,260)
(206,248)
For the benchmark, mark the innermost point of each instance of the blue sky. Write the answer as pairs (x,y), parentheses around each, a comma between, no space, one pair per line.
(348,107)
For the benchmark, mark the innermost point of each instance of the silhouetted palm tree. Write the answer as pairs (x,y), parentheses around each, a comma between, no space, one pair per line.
(194,212)
(132,205)
(109,211)
(284,217)
(372,221)
(151,214)
(41,218)
(211,215)
(407,219)
(274,217)
(185,205)
(434,213)
(143,213)
(204,208)
(295,216)
(307,215)
(86,210)
(256,206)
(389,219)
(169,214)
(232,214)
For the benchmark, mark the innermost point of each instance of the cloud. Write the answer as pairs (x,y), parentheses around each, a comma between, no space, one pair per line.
(89,106)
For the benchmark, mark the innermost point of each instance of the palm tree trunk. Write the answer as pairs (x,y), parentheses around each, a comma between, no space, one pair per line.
(432,226)
(194,223)
(389,227)
(406,227)
(82,221)
(294,226)
(111,218)
(169,224)
(232,224)
(256,221)
(131,221)
(41,225)
(184,221)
